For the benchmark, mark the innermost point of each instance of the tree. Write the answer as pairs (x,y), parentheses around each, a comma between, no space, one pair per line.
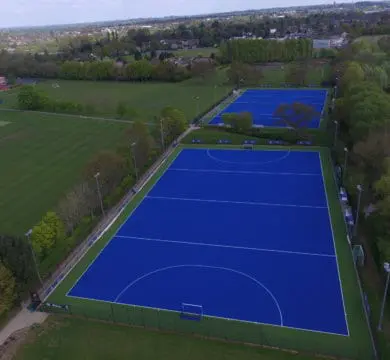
(121,109)
(352,75)
(296,116)
(15,254)
(369,154)
(46,233)
(30,98)
(7,289)
(240,122)
(202,68)
(137,56)
(296,74)
(79,202)
(173,122)
(243,74)
(140,136)
(111,167)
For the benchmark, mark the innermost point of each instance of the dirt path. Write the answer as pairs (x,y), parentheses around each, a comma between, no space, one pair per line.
(23,319)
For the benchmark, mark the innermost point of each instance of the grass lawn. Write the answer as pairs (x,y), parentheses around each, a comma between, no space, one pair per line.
(205,52)
(356,345)
(370,38)
(77,339)
(274,74)
(146,98)
(41,157)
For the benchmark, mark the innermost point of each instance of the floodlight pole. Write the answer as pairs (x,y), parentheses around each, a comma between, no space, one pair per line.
(28,236)
(196,98)
(345,164)
(134,160)
(162,134)
(96,176)
(336,132)
(386,266)
(360,190)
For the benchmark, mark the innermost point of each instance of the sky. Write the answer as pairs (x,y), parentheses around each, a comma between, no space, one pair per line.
(47,12)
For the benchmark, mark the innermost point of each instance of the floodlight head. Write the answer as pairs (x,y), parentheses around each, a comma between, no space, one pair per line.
(346,149)
(386,266)
(97,174)
(359,187)
(335,122)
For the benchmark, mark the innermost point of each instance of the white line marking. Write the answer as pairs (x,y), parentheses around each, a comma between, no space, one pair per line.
(206,267)
(187,304)
(244,172)
(248,163)
(226,246)
(235,202)
(127,218)
(334,244)
(209,316)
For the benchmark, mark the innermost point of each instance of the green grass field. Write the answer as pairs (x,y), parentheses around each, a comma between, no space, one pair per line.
(356,346)
(370,38)
(77,339)
(274,74)
(41,157)
(205,52)
(146,98)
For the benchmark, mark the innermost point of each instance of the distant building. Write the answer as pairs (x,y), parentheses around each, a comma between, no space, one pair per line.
(321,43)
(3,84)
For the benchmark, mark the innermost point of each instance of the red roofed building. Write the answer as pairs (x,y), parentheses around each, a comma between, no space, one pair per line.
(3,84)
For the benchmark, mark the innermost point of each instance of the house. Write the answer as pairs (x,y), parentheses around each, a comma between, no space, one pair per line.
(3,84)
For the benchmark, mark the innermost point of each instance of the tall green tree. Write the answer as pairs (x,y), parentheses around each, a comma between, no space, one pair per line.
(7,289)
(111,167)
(141,143)
(15,254)
(296,116)
(30,98)
(173,123)
(46,233)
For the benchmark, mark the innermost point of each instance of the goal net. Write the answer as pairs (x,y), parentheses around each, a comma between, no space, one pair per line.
(247,146)
(191,311)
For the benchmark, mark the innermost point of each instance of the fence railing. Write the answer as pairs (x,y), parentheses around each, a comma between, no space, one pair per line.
(362,294)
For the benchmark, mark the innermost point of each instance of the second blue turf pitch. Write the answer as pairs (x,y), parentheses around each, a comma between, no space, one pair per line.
(246,235)
(262,104)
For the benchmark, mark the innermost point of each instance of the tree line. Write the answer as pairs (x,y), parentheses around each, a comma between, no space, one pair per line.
(362,112)
(260,51)
(138,70)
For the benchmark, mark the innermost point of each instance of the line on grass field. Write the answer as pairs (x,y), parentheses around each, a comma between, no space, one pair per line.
(248,163)
(245,172)
(206,267)
(225,246)
(334,243)
(235,202)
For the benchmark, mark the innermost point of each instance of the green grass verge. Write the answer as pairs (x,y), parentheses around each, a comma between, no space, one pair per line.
(275,74)
(77,339)
(211,135)
(42,157)
(355,346)
(205,52)
(146,99)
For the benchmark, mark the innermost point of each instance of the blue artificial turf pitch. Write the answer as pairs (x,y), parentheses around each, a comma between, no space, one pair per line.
(244,234)
(262,104)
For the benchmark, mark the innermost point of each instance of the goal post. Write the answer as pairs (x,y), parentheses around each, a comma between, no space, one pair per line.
(247,146)
(191,311)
